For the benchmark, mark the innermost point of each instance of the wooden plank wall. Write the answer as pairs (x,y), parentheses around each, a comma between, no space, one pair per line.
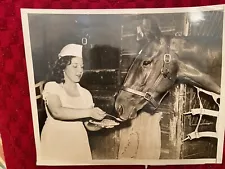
(203,147)
(210,26)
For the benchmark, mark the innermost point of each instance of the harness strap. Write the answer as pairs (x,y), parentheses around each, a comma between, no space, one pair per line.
(196,135)
(147,96)
(166,61)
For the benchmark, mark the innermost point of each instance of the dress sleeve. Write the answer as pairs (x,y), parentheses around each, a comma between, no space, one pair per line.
(88,98)
(50,88)
(92,104)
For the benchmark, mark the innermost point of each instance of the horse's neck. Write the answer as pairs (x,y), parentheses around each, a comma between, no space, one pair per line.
(199,63)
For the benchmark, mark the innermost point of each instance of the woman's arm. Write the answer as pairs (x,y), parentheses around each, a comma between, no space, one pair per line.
(62,113)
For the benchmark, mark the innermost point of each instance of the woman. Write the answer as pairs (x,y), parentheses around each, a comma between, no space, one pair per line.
(64,138)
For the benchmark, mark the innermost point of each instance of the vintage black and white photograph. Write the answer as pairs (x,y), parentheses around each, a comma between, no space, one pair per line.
(126,86)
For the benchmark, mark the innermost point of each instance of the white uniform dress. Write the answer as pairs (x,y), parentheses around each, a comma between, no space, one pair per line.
(65,142)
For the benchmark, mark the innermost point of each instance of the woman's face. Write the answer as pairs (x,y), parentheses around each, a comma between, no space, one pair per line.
(74,71)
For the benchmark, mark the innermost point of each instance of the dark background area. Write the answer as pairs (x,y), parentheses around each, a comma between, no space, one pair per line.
(16,120)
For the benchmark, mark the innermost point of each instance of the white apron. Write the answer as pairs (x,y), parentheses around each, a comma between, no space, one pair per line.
(65,142)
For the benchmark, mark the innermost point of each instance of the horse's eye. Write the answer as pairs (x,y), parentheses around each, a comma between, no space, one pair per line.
(145,63)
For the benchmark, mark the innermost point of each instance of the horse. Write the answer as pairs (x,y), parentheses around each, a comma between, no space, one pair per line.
(163,61)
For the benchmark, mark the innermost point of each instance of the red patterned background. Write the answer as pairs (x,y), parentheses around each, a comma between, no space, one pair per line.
(15,110)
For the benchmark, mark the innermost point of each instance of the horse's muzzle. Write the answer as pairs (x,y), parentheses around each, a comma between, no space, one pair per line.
(126,114)
(120,111)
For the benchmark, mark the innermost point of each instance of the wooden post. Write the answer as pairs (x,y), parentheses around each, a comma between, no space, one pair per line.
(179,96)
(179,106)
(186,25)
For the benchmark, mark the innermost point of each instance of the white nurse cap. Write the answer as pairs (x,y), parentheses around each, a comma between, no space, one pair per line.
(71,50)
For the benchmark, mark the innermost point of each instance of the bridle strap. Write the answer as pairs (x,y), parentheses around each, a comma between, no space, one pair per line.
(166,61)
(142,94)
(147,96)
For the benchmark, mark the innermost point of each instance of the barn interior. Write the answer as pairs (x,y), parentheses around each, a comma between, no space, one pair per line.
(109,48)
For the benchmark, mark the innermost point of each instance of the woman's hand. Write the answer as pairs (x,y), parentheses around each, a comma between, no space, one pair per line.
(92,127)
(97,113)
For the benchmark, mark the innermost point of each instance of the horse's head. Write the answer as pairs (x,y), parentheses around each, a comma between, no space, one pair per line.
(149,78)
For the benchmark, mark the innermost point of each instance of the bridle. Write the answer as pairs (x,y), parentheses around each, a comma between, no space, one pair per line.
(164,73)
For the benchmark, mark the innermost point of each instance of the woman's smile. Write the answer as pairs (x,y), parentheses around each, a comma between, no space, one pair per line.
(79,75)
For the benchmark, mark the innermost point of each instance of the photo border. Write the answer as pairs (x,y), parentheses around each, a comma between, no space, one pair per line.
(31,81)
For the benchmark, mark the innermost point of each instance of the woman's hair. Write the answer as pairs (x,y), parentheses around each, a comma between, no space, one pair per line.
(56,74)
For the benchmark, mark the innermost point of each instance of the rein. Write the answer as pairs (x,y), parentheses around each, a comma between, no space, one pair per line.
(164,73)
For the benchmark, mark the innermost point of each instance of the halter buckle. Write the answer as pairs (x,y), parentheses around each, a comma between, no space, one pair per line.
(167,58)
(148,96)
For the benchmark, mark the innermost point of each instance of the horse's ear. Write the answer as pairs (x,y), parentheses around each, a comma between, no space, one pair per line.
(150,27)
(154,27)
(140,33)
(162,41)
